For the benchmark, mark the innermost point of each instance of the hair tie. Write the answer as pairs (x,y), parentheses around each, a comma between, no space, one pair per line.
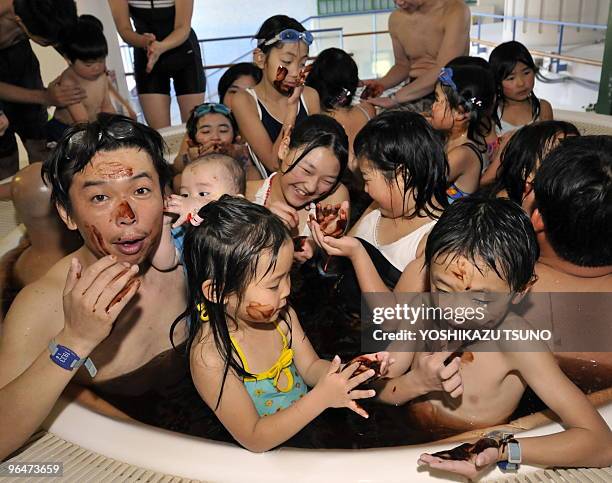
(473,101)
(203,312)
(446,78)
(194,218)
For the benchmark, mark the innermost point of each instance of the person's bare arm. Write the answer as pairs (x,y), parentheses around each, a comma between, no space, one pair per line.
(30,383)
(78,111)
(546,111)
(54,95)
(400,70)
(121,16)
(182,28)
(254,132)
(587,441)
(456,37)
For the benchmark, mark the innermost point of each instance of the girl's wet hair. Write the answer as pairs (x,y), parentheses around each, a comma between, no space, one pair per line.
(524,152)
(503,60)
(226,249)
(335,77)
(474,95)
(320,131)
(272,27)
(192,121)
(402,143)
(493,231)
(234,72)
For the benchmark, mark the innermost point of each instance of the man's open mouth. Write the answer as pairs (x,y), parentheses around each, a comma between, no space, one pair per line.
(130,246)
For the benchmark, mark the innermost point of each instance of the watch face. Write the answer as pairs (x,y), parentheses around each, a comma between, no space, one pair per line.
(63,356)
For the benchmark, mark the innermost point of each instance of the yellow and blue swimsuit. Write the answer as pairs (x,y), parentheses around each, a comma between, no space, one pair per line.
(264,390)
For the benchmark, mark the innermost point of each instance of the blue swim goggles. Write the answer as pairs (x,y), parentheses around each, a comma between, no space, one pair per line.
(207,107)
(289,35)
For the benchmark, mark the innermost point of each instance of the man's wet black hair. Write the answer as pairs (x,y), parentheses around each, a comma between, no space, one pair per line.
(502,60)
(493,231)
(573,191)
(85,42)
(81,142)
(272,27)
(48,19)
(234,72)
(404,143)
(226,249)
(523,154)
(334,73)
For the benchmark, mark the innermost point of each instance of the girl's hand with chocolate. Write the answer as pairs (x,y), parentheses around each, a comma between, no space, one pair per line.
(332,219)
(346,246)
(185,207)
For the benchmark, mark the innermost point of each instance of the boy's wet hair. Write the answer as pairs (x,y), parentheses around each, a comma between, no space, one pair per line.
(192,122)
(48,19)
(320,131)
(232,166)
(503,60)
(493,231)
(109,132)
(335,77)
(402,143)
(85,42)
(524,152)
(226,249)
(573,191)
(475,95)
(234,72)
(274,26)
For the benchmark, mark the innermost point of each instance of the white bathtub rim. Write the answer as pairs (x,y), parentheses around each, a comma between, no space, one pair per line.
(191,457)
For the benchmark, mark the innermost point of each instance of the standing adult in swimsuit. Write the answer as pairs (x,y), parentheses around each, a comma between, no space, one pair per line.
(426,35)
(107,179)
(21,88)
(165,47)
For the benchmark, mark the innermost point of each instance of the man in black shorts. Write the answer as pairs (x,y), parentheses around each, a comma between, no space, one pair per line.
(23,95)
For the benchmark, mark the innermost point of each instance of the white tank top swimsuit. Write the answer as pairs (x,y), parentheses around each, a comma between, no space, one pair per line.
(263,193)
(399,253)
(507,127)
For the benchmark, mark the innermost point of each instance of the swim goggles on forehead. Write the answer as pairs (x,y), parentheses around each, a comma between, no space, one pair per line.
(208,107)
(289,35)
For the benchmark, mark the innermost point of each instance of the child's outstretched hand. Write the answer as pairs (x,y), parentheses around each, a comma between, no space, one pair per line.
(435,376)
(185,207)
(379,361)
(337,387)
(468,459)
(332,219)
(346,246)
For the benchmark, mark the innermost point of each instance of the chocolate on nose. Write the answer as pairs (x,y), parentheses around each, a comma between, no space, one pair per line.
(124,211)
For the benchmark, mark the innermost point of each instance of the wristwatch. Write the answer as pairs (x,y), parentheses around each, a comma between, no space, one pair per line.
(514,456)
(68,359)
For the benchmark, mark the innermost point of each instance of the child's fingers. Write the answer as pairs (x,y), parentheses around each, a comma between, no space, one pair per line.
(361,378)
(446,372)
(451,384)
(353,406)
(362,394)
(350,369)
(335,365)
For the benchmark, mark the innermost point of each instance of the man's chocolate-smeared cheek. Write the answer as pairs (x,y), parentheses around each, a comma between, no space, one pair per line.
(99,244)
(113,170)
(124,212)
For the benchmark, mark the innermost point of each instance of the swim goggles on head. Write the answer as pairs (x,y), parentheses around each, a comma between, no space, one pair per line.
(289,35)
(208,107)
(446,78)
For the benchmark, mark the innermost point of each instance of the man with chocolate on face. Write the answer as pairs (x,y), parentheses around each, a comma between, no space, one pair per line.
(426,35)
(108,179)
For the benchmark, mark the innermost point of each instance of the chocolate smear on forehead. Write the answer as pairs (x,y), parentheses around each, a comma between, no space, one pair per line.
(259,311)
(124,210)
(98,241)
(112,170)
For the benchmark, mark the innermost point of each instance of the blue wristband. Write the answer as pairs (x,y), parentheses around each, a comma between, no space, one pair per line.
(67,359)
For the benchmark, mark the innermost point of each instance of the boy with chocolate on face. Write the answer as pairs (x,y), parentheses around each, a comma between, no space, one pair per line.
(108,178)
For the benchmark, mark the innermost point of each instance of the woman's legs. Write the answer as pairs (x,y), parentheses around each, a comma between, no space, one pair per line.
(156,109)
(187,102)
